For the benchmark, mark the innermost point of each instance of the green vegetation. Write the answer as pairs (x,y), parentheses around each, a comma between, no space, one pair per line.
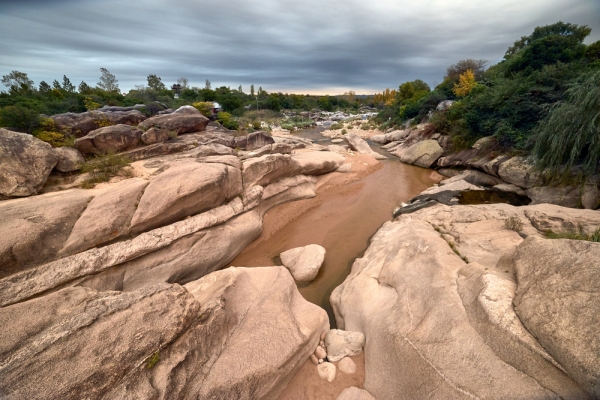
(542,99)
(152,360)
(103,167)
(579,235)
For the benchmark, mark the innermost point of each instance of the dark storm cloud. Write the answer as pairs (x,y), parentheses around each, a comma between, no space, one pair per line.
(303,46)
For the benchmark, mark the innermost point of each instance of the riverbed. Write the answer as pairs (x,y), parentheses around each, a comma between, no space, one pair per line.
(342,218)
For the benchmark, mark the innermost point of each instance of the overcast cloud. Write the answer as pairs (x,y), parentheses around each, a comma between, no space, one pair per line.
(325,46)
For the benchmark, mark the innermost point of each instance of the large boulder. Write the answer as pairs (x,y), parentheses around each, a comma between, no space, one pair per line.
(317,162)
(519,171)
(110,139)
(304,262)
(69,159)
(26,163)
(83,123)
(106,217)
(254,140)
(180,121)
(155,135)
(281,148)
(558,298)
(403,296)
(205,340)
(423,154)
(33,230)
(185,188)
(566,196)
(267,169)
(358,144)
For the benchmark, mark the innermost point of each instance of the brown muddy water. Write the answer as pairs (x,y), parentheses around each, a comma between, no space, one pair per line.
(341,218)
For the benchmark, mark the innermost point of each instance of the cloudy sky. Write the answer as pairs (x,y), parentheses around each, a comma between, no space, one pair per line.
(307,46)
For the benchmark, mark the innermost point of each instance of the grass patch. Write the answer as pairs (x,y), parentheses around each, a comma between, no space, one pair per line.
(152,360)
(579,235)
(336,125)
(102,168)
(514,224)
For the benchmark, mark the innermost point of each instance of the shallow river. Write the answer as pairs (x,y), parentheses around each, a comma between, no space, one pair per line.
(342,220)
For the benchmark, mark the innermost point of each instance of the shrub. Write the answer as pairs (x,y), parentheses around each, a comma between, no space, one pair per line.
(344,132)
(514,223)
(335,126)
(256,125)
(102,168)
(19,117)
(570,134)
(152,360)
(227,120)
(205,108)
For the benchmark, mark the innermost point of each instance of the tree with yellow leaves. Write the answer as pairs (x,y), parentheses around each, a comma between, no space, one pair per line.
(466,83)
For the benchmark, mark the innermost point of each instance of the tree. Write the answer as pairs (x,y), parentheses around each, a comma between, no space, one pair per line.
(84,88)
(454,71)
(67,86)
(466,83)
(17,82)
(44,87)
(108,81)
(207,85)
(183,82)
(23,118)
(240,89)
(155,83)
(574,32)
(251,90)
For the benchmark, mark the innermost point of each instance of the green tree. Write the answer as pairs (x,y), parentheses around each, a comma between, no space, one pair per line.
(155,83)
(108,81)
(44,87)
(251,90)
(572,31)
(67,86)
(84,88)
(18,83)
(207,85)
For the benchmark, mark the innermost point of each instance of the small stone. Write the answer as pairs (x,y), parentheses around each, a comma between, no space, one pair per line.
(343,343)
(347,366)
(314,359)
(322,344)
(327,371)
(320,352)
(321,360)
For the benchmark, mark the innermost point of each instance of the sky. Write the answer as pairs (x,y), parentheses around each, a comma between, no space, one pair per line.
(308,46)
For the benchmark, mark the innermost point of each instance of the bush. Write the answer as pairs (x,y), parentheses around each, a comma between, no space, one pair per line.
(336,125)
(102,168)
(205,108)
(227,121)
(570,134)
(19,117)
(514,223)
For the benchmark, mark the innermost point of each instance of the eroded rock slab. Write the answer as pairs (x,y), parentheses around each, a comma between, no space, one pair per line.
(180,121)
(185,188)
(106,217)
(33,230)
(110,139)
(558,298)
